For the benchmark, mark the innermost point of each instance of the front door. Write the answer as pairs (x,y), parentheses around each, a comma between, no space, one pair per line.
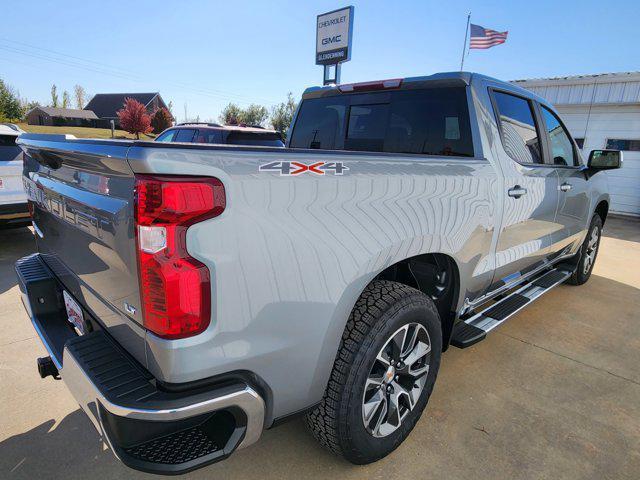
(573,202)
(530,191)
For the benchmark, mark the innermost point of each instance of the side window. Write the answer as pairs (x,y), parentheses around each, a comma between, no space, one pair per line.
(560,142)
(208,136)
(166,136)
(519,131)
(184,135)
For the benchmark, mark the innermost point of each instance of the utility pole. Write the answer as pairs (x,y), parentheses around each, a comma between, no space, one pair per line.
(464,46)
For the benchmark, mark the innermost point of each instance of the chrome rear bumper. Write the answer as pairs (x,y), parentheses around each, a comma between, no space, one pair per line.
(146,427)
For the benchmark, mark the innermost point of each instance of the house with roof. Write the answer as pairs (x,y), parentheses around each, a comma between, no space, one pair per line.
(105,105)
(59,117)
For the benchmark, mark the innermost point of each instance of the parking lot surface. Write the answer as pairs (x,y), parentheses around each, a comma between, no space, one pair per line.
(554,393)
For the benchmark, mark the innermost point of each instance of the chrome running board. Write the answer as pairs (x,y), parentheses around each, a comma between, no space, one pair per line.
(476,327)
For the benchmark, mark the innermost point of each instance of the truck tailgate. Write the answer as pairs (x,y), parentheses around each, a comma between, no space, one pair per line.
(82,194)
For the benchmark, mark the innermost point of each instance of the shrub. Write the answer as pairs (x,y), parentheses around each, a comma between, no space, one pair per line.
(161,120)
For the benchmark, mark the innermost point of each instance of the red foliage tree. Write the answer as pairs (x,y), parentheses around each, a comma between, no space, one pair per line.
(161,120)
(134,117)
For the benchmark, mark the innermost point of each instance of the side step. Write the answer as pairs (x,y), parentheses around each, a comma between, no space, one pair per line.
(475,328)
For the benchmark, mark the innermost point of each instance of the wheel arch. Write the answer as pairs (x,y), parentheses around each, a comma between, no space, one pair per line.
(602,209)
(435,274)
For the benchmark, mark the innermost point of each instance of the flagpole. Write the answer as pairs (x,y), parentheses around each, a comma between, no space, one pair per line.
(464,47)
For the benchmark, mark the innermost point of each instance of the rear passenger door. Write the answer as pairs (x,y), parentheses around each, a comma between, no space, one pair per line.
(573,202)
(530,189)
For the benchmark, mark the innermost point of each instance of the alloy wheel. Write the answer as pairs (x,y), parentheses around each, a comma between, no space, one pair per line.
(592,249)
(396,380)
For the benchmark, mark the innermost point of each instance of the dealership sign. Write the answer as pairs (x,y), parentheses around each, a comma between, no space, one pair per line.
(333,36)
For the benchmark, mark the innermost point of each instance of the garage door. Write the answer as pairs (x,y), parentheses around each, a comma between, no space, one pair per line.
(624,185)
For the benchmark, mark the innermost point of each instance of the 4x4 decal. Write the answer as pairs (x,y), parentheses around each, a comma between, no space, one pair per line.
(297,168)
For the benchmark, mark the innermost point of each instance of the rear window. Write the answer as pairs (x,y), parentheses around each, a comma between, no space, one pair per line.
(8,140)
(255,139)
(430,122)
(9,151)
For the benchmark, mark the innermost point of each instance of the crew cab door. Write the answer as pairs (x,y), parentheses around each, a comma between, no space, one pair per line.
(530,189)
(573,202)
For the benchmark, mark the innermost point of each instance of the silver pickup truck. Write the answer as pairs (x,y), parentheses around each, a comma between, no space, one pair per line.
(192,295)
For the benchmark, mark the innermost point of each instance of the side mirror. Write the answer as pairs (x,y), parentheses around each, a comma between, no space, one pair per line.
(605,159)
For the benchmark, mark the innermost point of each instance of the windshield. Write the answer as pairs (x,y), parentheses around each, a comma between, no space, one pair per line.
(430,121)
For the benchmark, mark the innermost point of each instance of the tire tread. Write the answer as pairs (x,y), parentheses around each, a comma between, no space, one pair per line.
(379,297)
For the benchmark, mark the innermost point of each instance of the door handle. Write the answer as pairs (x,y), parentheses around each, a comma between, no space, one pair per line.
(517,191)
(565,187)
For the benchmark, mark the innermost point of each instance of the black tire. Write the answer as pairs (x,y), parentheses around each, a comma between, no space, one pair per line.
(382,309)
(582,271)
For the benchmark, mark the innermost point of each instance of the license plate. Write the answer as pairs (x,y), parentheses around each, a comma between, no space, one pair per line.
(74,312)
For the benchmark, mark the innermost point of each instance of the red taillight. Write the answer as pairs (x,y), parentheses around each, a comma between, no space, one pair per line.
(175,288)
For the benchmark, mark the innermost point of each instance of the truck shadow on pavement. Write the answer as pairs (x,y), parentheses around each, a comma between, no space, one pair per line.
(15,243)
(71,448)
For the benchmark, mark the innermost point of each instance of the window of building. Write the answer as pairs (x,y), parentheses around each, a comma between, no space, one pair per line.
(619,144)
(580,142)
(519,130)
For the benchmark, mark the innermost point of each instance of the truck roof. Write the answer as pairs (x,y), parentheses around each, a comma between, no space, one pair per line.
(436,79)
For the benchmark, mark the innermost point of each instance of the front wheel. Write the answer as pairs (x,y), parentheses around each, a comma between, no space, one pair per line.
(383,374)
(586,256)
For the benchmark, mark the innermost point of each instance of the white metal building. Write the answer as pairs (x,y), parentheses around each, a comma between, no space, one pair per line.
(601,111)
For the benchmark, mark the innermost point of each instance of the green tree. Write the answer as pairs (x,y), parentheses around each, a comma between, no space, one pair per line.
(54,96)
(10,105)
(66,99)
(282,115)
(81,96)
(231,115)
(255,115)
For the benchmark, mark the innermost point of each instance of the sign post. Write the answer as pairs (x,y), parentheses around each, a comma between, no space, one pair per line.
(334,33)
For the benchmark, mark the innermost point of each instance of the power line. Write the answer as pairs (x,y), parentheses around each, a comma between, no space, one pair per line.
(105,69)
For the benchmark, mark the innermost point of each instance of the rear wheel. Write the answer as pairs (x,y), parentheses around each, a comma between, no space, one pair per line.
(383,375)
(586,257)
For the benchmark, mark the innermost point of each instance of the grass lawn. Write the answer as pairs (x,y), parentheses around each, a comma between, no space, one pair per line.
(81,132)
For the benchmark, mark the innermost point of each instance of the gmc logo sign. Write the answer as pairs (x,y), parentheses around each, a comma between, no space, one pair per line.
(330,40)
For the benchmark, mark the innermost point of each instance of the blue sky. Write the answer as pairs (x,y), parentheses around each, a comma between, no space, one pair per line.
(208,53)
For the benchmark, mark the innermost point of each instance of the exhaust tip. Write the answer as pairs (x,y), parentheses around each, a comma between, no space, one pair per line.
(46,368)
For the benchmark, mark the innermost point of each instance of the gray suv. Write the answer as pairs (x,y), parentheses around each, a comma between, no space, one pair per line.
(221,134)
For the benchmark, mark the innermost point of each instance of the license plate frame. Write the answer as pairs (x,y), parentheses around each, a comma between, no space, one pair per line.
(74,313)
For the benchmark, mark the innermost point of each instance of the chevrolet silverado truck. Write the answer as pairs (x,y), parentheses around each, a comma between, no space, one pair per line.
(192,295)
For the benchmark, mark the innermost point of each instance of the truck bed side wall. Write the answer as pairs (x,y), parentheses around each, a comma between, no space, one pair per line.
(291,254)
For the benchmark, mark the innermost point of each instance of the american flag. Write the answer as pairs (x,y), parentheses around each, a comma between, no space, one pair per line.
(485,37)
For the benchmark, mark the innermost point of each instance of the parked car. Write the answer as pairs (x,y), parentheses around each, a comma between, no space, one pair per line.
(13,200)
(221,134)
(197,294)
